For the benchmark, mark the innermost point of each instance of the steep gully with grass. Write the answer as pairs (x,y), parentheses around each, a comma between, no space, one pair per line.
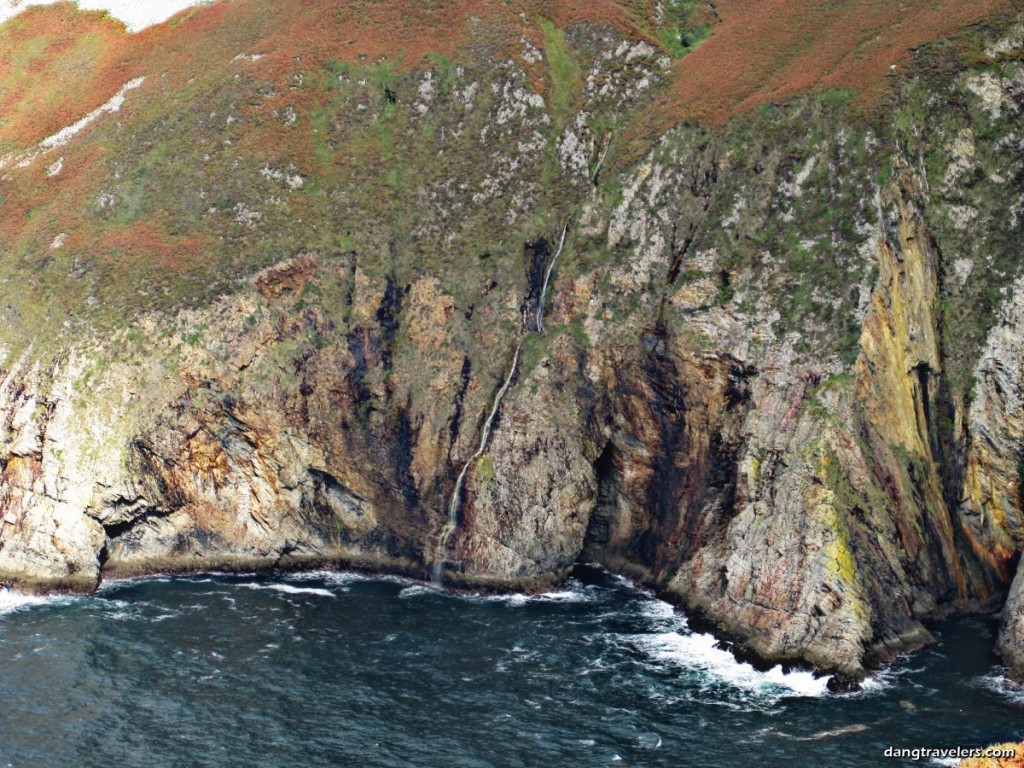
(776,372)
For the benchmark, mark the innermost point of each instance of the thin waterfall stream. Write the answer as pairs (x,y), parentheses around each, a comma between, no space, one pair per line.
(456,498)
(547,279)
(455,502)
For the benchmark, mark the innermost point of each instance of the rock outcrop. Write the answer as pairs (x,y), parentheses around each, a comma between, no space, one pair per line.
(778,378)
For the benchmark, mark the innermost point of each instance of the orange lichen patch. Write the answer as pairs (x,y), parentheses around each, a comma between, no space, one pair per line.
(296,35)
(56,65)
(15,214)
(770,50)
(1017,761)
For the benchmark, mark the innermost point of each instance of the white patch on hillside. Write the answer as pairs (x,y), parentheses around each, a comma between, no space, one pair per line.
(64,135)
(136,14)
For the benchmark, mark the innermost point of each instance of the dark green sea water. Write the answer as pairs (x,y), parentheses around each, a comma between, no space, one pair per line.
(340,670)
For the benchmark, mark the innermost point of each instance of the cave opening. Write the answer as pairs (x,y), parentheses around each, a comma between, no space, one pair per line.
(608,472)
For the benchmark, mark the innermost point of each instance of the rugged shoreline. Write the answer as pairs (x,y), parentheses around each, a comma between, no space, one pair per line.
(736,643)
(776,373)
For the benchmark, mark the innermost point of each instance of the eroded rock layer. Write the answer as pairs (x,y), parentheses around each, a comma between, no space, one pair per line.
(778,377)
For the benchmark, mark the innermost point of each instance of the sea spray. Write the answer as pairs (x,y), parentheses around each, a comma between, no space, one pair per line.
(13,601)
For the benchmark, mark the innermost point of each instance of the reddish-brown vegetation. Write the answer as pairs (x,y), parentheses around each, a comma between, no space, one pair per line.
(57,64)
(148,243)
(770,50)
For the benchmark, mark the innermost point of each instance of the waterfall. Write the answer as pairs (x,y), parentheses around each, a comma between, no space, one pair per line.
(547,279)
(600,161)
(456,499)
(437,572)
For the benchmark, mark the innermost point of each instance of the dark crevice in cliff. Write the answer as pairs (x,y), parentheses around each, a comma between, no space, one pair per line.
(360,347)
(404,440)
(595,175)
(702,182)
(351,278)
(684,481)
(537,255)
(120,531)
(608,473)
(117,530)
(923,371)
(949,449)
(679,252)
(460,398)
(667,486)
(150,467)
(702,187)
(940,583)
(723,462)
(287,549)
(330,501)
(387,317)
(737,391)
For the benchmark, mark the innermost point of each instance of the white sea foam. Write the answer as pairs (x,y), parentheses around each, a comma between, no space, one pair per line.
(136,14)
(13,601)
(659,611)
(574,594)
(289,589)
(339,579)
(649,741)
(879,681)
(700,652)
(998,682)
(565,596)
(417,589)
(674,643)
(514,600)
(112,585)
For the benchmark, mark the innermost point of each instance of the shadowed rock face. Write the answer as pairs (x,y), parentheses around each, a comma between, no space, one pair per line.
(1011,636)
(779,378)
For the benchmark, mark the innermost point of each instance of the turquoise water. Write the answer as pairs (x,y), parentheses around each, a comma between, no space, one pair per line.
(340,670)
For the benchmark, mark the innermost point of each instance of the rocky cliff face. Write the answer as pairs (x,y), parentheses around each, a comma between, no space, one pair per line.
(779,376)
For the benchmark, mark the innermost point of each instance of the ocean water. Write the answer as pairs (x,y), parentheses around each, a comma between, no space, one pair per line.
(327,669)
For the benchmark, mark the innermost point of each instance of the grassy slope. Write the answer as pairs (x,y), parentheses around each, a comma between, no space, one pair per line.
(183,157)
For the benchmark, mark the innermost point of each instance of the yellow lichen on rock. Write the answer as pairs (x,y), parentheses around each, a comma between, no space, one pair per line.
(1017,761)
